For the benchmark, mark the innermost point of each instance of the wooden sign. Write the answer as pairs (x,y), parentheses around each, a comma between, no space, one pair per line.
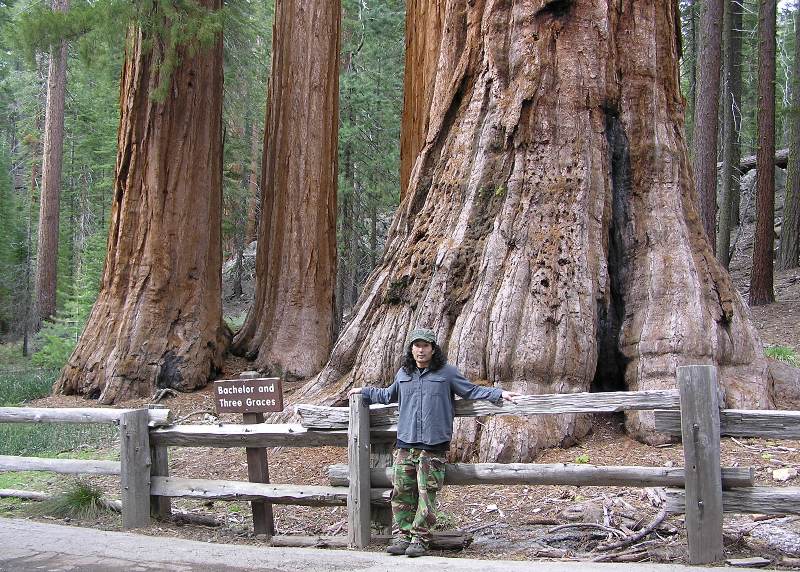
(261,395)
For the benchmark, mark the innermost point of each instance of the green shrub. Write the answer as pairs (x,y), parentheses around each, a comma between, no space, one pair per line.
(58,337)
(783,353)
(80,500)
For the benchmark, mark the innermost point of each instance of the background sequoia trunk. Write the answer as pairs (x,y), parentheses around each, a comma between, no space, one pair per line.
(158,319)
(423,36)
(549,234)
(289,329)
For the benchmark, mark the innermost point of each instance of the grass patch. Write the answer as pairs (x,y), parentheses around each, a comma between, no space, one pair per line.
(11,356)
(80,500)
(53,439)
(784,354)
(19,386)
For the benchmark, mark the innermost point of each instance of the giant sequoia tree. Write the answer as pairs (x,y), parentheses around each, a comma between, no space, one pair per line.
(289,329)
(157,321)
(549,233)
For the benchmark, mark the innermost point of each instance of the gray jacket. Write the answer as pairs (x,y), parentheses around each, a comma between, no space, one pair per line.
(426,402)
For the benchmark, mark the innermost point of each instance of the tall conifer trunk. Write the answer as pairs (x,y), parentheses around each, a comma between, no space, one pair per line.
(52,158)
(761,276)
(789,250)
(289,329)
(550,225)
(157,321)
(707,114)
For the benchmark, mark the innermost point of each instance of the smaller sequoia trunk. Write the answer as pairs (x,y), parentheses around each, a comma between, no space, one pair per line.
(47,249)
(157,321)
(289,329)
(549,233)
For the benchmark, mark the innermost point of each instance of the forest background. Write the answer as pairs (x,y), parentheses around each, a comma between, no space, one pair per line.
(371,67)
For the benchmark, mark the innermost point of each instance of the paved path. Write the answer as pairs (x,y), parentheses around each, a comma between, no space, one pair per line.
(27,546)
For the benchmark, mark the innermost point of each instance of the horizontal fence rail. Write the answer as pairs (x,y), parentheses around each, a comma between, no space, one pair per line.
(158,417)
(256,435)
(308,495)
(740,423)
(320,417)
(67,466)
(579,475)
(753,500)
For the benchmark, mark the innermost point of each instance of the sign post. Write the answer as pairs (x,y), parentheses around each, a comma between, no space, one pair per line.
(252,396)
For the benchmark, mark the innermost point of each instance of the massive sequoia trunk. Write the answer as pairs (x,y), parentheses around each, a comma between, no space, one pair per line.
(549,234)
(289,330)
(158,319)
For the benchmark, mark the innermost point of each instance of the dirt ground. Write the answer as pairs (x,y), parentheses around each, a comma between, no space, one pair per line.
(515,522)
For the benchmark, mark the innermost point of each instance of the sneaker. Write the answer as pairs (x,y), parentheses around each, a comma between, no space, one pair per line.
(398,546)
(416,548)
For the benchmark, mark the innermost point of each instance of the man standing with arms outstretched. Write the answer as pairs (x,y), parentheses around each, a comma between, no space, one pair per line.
(424,388)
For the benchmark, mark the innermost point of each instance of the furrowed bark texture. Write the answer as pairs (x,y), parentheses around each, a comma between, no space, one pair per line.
(761,277)
(158,319)
(424,20)
(789,251)
(550,234)
(707,113)
(47,243)
(289,330)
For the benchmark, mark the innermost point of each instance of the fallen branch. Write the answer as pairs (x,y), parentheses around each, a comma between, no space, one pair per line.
(194,414)
(586,525)
(638,536)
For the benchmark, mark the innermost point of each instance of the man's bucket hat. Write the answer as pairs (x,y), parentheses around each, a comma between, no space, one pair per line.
(423,334)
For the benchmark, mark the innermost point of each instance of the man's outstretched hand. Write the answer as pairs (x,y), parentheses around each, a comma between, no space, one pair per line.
(354,391)
(510,396)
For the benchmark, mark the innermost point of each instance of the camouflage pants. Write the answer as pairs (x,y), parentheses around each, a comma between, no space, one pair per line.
(417,476)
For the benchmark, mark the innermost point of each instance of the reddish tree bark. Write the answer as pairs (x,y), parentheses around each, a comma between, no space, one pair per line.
(424,20)
(52,158)
(251,231)
(289,329)
(789,251)
(761,291)
(550,233)
(157,321)
(707,113)
(732,120)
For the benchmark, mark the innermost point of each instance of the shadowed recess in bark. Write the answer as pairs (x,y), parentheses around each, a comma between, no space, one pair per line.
(169,375)
(611,363)
(555,8)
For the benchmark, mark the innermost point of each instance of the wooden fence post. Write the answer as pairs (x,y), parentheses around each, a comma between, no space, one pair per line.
(134,442)
(160,507)
(358,495)
(258,472)
(381,515)
(701,451)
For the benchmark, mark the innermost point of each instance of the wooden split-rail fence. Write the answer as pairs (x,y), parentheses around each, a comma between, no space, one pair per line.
(701,490)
